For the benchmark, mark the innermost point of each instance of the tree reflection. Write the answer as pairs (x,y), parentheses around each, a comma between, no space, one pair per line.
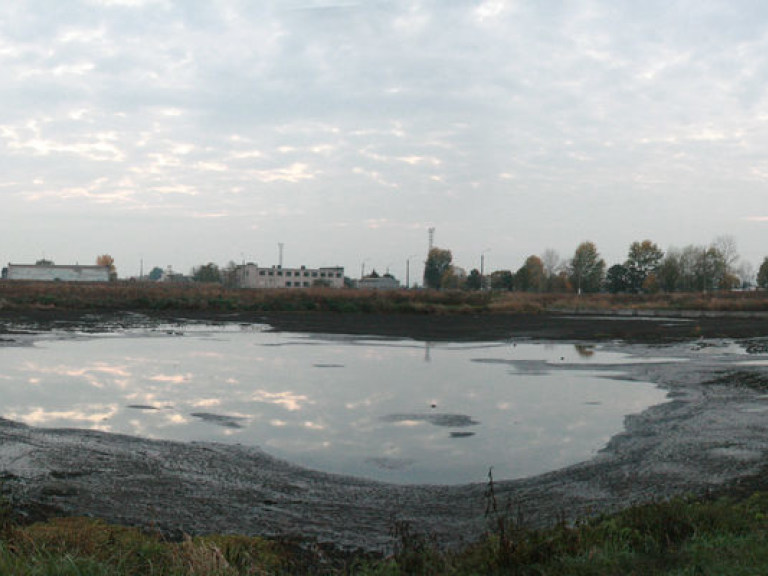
(584,350)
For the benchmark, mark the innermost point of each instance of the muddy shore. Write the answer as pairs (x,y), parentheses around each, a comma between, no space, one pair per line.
(711,435)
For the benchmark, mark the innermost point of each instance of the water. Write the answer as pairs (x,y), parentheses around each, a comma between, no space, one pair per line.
(395,410)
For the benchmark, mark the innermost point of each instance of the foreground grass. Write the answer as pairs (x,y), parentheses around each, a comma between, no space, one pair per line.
(678,537)
(148,296)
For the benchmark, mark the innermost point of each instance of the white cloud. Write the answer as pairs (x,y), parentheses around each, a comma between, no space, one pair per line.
(386,112)
(294,173)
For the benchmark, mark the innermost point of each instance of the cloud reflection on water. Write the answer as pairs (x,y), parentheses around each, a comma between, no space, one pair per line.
(383,412)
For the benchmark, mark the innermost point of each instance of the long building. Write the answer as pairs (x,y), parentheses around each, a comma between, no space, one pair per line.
(54,273)
(254,276)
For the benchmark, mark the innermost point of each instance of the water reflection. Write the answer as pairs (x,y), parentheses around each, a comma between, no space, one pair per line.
(584,350)
(370,407)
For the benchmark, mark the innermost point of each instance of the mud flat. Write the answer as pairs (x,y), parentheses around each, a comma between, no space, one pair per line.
(711,434)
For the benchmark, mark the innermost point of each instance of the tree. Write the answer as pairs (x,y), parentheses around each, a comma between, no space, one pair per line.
(643,259)
(668,272)
(553,266)
(530,276)
(206,273)
(587,268)
(44,262)
(109,262)
(437,264)
(502,280)
(155,274)
(617,279)
(560,282)
(726,246)
(710,270)
(474,281)
(762,274)
(454,278)
(232,275)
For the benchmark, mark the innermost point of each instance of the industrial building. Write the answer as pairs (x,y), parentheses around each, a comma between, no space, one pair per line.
(54,273)
(386,282)
(253,276)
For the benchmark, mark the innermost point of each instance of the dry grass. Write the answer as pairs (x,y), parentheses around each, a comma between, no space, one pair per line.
(213,297)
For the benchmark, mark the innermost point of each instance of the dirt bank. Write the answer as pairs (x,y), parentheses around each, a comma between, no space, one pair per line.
(710,435)
(650,327)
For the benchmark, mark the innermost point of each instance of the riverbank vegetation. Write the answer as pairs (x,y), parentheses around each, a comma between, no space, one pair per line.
(682,536)
(152,296)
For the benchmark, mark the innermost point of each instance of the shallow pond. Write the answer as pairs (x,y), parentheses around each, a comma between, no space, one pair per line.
(395,410)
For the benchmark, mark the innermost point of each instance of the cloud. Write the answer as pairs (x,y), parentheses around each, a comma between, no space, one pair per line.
(296,172)
(281,118)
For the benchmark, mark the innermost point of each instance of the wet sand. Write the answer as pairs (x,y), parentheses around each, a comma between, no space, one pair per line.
(711,435)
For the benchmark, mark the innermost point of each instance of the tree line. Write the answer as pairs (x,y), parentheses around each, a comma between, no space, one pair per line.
(647,269)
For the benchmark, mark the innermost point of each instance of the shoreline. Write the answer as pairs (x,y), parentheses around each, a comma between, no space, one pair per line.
(632,326)
(710,435)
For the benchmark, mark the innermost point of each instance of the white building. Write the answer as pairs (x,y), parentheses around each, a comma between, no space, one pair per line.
(253,276)
(54,273)
(385,282)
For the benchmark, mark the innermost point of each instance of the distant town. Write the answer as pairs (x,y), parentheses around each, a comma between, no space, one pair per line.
(647,270)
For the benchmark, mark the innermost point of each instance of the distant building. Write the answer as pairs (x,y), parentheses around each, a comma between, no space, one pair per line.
(386,282)
(253,276)
(54,273)
(169,275)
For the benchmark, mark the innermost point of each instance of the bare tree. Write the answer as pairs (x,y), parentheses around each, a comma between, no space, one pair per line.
(552,262)
(726,246)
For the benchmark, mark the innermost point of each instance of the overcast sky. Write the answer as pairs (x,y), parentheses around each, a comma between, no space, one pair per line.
(194,131)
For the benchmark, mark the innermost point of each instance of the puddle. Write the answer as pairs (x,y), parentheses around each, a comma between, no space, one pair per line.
(395,410)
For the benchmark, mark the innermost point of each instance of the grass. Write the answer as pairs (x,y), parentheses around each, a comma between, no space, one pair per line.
(682,536)
(147,296)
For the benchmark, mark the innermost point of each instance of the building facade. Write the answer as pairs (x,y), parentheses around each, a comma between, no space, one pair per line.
(254,276)
(385,282)
(54,273)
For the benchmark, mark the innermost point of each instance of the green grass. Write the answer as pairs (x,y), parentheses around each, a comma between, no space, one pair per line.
(682,536)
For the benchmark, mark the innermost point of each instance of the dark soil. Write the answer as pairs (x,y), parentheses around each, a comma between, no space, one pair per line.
(661,327)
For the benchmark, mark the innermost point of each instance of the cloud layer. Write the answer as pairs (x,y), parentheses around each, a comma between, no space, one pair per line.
(183,132)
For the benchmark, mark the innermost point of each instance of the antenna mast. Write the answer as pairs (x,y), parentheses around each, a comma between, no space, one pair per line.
(280,249)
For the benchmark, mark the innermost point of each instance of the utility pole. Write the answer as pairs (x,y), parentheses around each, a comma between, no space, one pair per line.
(408,271)
(482,268)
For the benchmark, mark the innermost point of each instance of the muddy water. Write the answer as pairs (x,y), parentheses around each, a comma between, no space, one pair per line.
(395,410)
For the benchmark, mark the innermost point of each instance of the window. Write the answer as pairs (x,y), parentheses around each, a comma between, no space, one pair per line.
(314,274)
(261,272)
(288,284)
(306,284)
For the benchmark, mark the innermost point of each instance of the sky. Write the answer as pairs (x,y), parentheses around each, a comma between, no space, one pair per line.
(184,132)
